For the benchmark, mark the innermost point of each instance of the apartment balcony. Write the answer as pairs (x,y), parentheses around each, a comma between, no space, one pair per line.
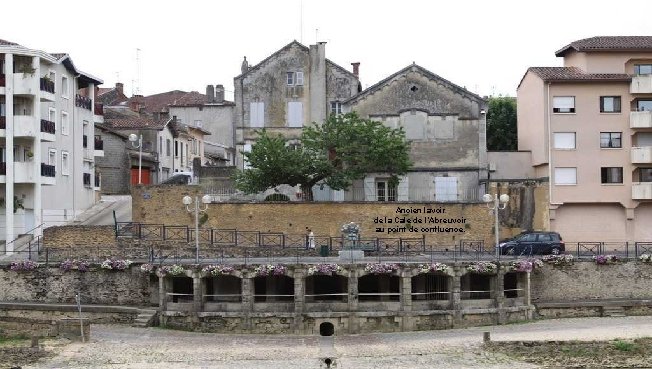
(48,130)
(641,84)
(99,147)
(3,80)
(3,172)
(641,155)
(3,123)
(24,172)
(642,191)
(25,84)
(83,102)
(48,173)
(640,119)
(25,126)
(47,89)
(98,113)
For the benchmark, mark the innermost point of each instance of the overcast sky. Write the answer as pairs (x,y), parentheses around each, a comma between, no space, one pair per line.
(485,46)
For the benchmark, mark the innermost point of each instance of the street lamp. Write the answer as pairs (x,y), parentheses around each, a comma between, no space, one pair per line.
(133,138)
(495,203)
(187,200)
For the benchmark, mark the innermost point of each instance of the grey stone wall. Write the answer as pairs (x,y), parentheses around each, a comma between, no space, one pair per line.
(52,285)
(114,165)
(587,280)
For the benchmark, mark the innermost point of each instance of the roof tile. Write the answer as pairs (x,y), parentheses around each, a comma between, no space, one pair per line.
(575,74)
(608,43)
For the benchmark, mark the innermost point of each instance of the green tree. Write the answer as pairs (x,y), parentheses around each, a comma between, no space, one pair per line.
(342,149)
(501,124)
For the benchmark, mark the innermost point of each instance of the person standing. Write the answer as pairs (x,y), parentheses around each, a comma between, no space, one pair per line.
(311,239)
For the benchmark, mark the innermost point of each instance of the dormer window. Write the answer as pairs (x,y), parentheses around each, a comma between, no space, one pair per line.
(295,78)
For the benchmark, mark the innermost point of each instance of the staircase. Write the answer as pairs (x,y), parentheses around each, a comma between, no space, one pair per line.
(145,318)
(613,311)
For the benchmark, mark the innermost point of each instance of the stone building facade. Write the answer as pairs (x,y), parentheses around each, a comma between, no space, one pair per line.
(113,167)
(446,126)
(290,89)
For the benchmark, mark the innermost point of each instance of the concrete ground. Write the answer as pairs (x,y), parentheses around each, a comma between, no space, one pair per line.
(126,347)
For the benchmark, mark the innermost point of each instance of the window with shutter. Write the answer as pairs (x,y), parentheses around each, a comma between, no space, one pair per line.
(257,114)
(295,114)
(563,104)
(564,140)
(565,176)
(445,188)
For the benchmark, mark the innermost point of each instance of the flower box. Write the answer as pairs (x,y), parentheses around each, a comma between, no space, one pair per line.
(74,264)
(433,268)
(381,268)
(268,269)
(172,270)
(23,265)
(605,259)
(525,265)
(564,259)
(115,264)
(482,267)
(217,270)
(325,269)
(645,258)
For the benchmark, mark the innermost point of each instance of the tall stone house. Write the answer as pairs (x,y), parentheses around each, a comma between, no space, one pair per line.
(446,127)
(288,90)
(588,126)
(47,146)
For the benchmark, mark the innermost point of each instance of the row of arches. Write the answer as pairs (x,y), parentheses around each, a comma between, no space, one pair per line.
(323,288)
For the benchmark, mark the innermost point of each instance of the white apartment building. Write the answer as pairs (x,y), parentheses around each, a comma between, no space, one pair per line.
(47,118)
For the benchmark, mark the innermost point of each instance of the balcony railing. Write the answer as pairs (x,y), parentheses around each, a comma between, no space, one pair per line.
(47,85)
(85,141)
(3,169)
(2,80)
(48,170)
(3,122)
(99,144)
(97,180)
(83,102)
(99,109)
(87,179)
(47,126)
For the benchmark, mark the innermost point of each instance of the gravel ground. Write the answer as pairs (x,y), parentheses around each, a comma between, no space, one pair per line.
(126,347)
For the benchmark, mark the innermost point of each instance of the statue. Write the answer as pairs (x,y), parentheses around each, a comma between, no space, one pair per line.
(351,235)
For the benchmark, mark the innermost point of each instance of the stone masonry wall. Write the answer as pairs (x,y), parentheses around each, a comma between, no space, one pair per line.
(52,285)
(587,280)
(162,205)
(79,235)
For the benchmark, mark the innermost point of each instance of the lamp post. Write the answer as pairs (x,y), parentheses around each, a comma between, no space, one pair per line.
(139,138)
(495,203)
(187,200)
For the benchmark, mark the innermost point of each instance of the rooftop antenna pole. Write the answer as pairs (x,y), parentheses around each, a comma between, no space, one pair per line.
(137,71)
(316,35)
(301,23)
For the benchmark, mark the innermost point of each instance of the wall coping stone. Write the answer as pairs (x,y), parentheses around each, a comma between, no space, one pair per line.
(592,303)
(67,307)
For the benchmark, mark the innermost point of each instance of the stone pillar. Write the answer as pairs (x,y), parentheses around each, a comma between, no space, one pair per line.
(247,302)
(197,295)
(456,289)
(353,302)
(498,294)
(299,300)
(528,296)
(383,286)
(406,302)
(162,297)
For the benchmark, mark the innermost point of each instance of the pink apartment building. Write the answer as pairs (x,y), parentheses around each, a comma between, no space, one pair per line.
(588,125)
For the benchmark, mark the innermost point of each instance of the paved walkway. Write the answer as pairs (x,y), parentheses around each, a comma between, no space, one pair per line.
(126,347)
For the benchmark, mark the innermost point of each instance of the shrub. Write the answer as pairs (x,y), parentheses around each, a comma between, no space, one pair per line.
(23,265)
(324,269)
(482,267)
(381,268)
(216,270)
(435,267)
(269,269)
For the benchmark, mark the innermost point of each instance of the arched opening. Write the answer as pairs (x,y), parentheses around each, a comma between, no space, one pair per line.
(223,288)
(379,287)
(476,286)
(326,288)
(510,285)
(182,289)
(273,288)
(326,329)
(430,287)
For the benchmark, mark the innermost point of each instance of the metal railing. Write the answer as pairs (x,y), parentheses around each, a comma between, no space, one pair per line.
(46,84)
(48,126)
(83,102)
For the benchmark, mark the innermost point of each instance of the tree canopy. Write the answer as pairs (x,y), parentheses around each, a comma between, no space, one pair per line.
(501,124)
(342,149)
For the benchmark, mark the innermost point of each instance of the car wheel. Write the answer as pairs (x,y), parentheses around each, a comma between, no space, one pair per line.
(555,251)
(510,251)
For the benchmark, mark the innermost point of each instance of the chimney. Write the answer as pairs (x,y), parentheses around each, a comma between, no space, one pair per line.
(318,101)
(136,103)
(120,87)
(210,94)
(356,69)
(244,67)
(219,94)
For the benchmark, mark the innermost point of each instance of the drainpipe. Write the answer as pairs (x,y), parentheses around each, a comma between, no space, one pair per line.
(548,134)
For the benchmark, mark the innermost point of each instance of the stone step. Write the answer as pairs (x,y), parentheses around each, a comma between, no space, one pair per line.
(613,311)
(144,317)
